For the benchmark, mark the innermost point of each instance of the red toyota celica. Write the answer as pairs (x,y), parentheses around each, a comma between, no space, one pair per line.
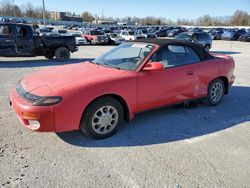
(96,96)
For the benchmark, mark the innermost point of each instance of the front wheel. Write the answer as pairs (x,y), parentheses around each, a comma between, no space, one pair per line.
(207,48)
(102,118)
(216,91)
(62,54)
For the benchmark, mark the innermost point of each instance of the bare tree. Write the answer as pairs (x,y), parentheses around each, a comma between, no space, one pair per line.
(8,9)
(240,18)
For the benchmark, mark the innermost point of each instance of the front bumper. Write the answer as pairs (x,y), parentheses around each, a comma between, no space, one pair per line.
(75,49)
(81,42)
(45,114)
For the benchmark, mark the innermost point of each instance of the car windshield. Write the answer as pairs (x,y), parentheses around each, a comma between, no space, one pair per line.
(76,34)
(114,35)
(96,33)
(131,32)
(127,56)
(183,36)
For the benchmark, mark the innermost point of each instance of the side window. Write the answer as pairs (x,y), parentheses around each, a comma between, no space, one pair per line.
(194,37)
(203,36)
(5,31)
(21,31)
(176,55)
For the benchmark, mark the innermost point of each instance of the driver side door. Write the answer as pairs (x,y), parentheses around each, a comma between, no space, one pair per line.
(176,83)
(7,42)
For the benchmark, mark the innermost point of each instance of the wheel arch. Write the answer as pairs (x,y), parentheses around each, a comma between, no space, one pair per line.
(120,99)
(225,81)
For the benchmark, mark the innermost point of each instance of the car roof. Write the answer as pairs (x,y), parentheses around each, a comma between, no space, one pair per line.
(199,49)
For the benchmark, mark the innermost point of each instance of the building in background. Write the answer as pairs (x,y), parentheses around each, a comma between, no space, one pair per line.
(65,16)
(104,22)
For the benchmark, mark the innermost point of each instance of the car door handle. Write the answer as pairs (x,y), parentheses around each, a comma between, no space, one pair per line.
(190,72)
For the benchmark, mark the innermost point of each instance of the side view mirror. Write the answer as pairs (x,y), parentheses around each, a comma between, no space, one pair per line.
(152,66)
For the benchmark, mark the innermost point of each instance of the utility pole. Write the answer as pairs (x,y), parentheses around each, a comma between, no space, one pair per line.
(44,21)
(14,9)
(102,13)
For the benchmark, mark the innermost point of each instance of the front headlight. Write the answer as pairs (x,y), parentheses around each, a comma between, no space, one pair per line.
(47,101)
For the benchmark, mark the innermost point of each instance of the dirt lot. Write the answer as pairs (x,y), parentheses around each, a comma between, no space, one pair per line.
(169,147)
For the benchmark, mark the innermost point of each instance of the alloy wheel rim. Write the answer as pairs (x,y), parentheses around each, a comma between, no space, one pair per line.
(63,54)
(216,92)
(105,119)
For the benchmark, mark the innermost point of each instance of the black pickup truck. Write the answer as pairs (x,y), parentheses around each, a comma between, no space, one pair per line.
(20,40)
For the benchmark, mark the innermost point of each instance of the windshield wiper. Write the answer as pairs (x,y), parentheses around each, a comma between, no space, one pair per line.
(116,67)
(94,62)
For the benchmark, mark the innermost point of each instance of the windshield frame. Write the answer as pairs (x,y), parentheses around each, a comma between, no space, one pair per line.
(137,67)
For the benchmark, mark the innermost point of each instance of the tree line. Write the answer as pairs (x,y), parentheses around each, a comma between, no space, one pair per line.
(27,10)
(239,18)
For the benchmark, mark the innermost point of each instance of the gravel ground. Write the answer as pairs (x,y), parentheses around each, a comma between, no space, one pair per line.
(170,147)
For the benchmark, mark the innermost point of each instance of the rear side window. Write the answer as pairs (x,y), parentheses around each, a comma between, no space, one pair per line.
(176,55)
(203,36)
(5,31)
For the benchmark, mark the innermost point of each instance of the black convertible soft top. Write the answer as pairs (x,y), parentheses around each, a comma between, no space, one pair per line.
(199,49)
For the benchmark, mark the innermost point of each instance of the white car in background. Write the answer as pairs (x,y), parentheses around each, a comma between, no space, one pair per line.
(61,32)
(80,39)
(130,35)
(114,38)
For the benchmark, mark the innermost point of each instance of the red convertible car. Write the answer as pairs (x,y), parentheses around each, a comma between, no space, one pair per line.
(96,96)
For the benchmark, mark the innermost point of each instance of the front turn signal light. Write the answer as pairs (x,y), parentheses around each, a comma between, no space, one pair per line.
(30,115)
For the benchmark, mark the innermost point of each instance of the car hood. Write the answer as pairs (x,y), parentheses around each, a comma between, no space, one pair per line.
(228,34)
(58,78)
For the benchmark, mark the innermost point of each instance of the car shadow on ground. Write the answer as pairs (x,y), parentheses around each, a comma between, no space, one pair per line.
(173,124)
(225,52)
(39,63)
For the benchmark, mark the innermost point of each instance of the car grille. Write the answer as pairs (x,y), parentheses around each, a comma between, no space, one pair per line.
(25,94)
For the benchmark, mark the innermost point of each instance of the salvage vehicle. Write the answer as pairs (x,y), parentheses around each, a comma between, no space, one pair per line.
(95,37)
(80,39)
(18,40)
(201,38)
(130,35)
(176,32)
(146,34)
(96,96)
(233,34)
(216,35)
(114,38)
(245,37)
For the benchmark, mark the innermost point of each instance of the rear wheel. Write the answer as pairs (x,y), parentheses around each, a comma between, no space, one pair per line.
(62,54)
(102,118)
(216,91)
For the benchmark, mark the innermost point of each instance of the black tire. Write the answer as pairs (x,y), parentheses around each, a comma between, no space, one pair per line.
(50,55)
(91,42)
(89,124)
(216,87)
(62,54)
(207,48)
